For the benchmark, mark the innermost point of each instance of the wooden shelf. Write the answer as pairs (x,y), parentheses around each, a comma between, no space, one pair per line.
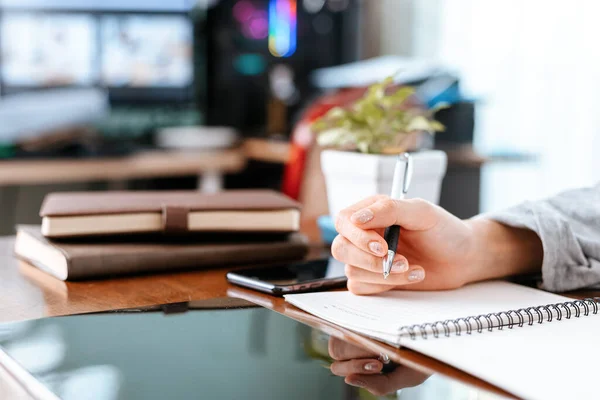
(141,165)
(267,150)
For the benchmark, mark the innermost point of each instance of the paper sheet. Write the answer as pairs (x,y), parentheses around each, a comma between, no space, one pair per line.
(552,360)
(383,315)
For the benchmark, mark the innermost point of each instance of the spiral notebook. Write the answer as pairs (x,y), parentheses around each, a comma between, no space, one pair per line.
(526,341)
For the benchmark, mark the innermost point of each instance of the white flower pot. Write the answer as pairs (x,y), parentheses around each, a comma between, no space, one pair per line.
(351,176)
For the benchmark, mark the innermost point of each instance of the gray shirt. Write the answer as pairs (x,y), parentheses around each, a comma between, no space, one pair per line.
(569,226)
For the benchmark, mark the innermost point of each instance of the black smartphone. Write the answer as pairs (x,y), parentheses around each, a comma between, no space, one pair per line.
(300,277)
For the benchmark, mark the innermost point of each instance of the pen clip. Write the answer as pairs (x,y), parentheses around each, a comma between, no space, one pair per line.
(408,172)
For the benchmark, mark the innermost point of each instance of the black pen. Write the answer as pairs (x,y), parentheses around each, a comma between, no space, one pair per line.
(400,185)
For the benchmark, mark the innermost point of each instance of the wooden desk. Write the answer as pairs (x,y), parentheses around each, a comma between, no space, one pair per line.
(27,293)
(141,165)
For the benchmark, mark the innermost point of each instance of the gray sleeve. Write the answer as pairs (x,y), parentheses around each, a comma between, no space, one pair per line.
(569,227)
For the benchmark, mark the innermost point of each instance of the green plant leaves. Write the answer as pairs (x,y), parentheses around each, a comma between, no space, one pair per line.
(376,121)
(419,123)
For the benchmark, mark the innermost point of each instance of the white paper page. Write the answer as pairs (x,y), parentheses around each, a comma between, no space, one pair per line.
(552,360)
(382,316)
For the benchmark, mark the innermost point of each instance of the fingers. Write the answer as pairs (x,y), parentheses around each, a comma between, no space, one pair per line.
(412,214)
(380,385)
(352,359)
(340,350)
(366,240)
(364,203)
(361,368)
(414,274)
(356,366)
(361,246)
(358,223)
(361,288)
(343,250)
(365,271)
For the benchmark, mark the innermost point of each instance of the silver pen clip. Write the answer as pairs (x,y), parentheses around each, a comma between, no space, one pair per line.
(408,172)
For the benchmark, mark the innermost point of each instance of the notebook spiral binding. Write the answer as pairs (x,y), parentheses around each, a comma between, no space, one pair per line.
(509,319)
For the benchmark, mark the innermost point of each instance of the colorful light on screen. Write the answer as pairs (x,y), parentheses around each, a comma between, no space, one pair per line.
(282,27)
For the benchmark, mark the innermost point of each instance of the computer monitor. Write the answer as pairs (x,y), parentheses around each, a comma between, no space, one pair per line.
(46,50)
(101,5)
(146,51)
(141,57)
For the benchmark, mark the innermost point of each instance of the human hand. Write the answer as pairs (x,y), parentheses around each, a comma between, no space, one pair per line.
(363,369)
(432,253)
(436,250)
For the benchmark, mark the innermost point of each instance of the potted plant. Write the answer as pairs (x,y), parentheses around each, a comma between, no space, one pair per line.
(364,139)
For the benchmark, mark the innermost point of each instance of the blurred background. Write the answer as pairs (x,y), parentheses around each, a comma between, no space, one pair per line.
(182,94)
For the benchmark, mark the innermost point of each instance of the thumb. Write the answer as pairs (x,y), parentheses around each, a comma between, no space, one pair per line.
(412,214)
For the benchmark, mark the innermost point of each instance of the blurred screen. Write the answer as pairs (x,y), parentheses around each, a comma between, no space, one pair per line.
(77,49)
(146,51)
(47,49)
(102,5)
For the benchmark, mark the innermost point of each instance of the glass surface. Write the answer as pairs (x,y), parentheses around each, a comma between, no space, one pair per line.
(250,353)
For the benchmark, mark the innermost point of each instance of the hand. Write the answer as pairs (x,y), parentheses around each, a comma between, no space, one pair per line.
(436,250)
(363,369)
(433,249)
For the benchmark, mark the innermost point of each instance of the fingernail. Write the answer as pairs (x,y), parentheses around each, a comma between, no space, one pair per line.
(372,366)
(399,266)
(416,275)
(357,383)
(363,216)
(376,248)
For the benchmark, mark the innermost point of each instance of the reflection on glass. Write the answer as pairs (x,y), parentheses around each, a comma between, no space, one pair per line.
(249,353)
(42,350)
(213,354)
(375,376)
(364,369)
(101,381)
(9,330)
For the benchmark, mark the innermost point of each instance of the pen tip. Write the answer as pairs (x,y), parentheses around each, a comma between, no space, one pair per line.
(387,263)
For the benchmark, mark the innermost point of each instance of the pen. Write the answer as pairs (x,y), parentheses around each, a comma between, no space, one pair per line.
(403,170)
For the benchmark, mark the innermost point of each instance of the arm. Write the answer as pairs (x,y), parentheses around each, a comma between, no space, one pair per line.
(559,237)
(500,250)
(568,226)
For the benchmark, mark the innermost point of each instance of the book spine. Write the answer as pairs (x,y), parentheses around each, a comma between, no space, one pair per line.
(85,267)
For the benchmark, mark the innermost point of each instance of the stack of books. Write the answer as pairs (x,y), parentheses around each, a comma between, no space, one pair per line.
(102,234)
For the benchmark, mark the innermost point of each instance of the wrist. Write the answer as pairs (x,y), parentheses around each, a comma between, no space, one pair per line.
(498,250)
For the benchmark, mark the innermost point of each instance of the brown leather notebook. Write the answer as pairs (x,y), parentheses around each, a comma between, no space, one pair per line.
(113,213)
(92,259)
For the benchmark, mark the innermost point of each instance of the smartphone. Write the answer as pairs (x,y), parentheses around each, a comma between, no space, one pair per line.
(300,277)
